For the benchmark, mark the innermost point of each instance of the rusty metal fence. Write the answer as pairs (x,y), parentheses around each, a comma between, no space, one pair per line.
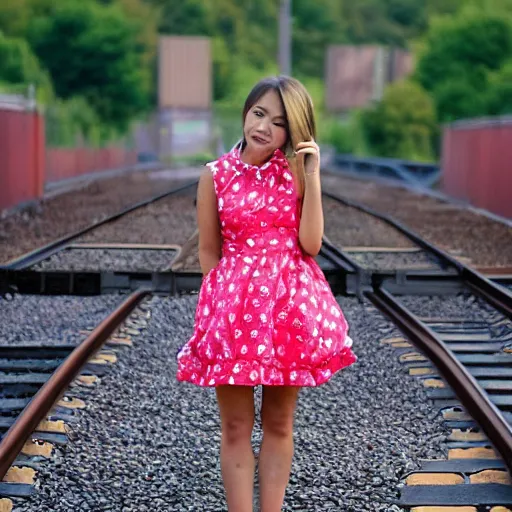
(476,163)
(22,146)
(29,163)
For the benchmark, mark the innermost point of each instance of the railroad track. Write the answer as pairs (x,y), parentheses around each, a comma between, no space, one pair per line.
(36,405)
(73,265)
(480,347)
(466,364)
(35,408)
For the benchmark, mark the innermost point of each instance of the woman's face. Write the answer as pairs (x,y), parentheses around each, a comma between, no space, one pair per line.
(265,127)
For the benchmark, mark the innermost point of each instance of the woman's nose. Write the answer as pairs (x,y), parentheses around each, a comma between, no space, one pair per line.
(263,126)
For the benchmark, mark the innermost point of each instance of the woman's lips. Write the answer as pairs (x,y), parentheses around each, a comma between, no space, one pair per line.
(259,140)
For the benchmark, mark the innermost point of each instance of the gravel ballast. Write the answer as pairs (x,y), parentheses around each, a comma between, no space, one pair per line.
(349,227)
(394,260)
(127,260)
(463,305)
(146,442)
(28,319)
(485,241)
(171,220)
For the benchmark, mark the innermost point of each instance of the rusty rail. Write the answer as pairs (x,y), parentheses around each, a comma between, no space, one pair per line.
(45,398)
(492,293)
(467,389)
(32,257)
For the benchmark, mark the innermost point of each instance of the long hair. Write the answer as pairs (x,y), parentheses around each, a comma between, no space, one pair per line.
(298,109)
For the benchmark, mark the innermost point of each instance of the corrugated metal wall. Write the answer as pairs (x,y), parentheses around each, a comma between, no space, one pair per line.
(477,163)
(21,155)
(65,163)
(26,165)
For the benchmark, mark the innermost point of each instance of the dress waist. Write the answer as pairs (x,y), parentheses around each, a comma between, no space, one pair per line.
(272,240)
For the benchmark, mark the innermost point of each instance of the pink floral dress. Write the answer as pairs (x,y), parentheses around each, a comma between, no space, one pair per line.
(265,313)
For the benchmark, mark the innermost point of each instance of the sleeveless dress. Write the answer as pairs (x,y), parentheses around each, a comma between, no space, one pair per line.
(265,314)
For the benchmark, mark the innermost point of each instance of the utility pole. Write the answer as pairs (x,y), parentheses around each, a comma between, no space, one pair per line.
(285,37)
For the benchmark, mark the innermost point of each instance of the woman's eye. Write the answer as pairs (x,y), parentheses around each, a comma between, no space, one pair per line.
(257,113)
(280,125)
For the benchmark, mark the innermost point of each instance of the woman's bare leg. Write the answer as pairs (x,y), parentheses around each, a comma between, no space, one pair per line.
(275,461)
(236,406)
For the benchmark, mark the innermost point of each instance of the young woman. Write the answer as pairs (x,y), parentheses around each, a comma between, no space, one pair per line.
(265,314)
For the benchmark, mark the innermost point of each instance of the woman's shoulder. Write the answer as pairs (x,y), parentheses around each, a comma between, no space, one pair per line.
(217,164)
(213,172)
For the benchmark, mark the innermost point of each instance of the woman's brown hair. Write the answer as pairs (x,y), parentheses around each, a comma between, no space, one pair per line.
(299,112)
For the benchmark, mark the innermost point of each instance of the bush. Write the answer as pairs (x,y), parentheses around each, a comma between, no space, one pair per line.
(74,121)
(457,100)
(19,67)
(91,50)
(460,55)
(403,124)
(499,98)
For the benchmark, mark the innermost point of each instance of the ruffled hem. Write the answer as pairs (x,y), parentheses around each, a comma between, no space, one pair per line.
(253,373)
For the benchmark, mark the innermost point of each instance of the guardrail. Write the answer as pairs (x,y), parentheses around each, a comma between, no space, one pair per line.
(414,173)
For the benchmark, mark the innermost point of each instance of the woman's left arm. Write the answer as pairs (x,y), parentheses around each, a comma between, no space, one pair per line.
(311,227)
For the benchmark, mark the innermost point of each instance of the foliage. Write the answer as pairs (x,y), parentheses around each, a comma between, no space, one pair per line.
(20,67)
(443,7)
(402,125)
(74,122)
(458,100)
(13,17)
(345,134)
(69,120)
(100,61)
(338,134)
(392,22)
(460,54)
(499,100)
(101,57)
(316,25)
(182,17)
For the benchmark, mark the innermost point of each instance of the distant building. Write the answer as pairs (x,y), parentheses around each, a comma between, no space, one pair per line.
(357,75)
(182,124)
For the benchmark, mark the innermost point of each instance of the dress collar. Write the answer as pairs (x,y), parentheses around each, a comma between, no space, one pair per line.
(278,158)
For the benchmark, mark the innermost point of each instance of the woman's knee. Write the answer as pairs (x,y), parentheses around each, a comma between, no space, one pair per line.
(237,429)
(278,411)
(277,423)
(236,405)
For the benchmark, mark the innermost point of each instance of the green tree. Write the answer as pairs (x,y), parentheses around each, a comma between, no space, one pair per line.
(403,124)
(442,7)
(182,17)
(68,120)
(460,99)
(92,51)
(315,26)
(458,57)
(499,97)
(20,67)
(13,17)
(391,22)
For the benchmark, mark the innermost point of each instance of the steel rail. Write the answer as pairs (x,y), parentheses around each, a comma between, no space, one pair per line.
(45,398)
(31,258)
(338,257)
(467,389)
(497,296)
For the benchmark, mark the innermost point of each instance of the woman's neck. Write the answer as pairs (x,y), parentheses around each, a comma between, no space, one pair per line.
(253,157)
